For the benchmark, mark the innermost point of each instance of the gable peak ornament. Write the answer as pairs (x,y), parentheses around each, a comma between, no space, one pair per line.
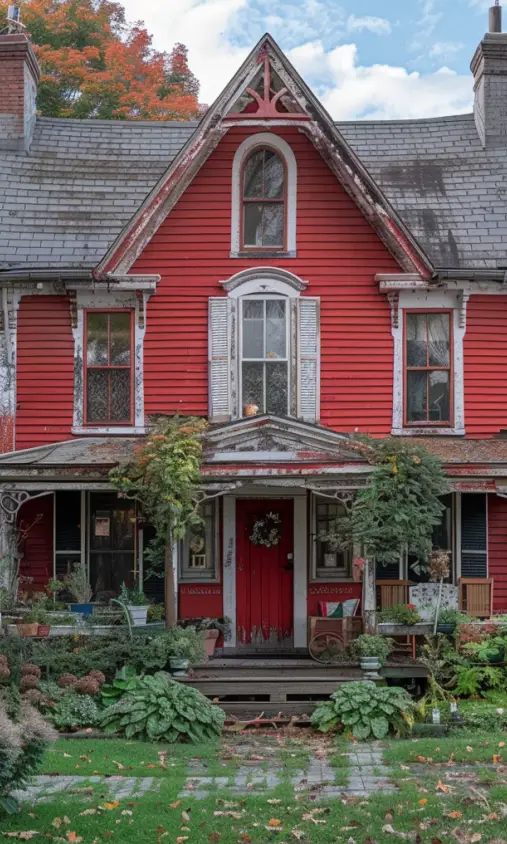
(267,97)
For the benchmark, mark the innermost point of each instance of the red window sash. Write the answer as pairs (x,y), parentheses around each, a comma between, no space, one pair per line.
(109,368)
(406,369)
(260,201)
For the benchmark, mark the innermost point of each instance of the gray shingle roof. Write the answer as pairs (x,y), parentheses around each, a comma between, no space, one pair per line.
(64,203)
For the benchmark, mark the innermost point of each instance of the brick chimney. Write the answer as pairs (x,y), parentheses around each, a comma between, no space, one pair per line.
(489,67)
(19,77)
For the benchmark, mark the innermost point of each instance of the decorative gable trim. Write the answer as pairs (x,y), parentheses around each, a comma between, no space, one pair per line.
(321,131)
(264,280)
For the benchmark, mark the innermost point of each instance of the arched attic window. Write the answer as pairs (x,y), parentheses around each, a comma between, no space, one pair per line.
(263,201)
(264,197)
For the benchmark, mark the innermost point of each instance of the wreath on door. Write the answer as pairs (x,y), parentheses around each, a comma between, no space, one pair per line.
(266,531)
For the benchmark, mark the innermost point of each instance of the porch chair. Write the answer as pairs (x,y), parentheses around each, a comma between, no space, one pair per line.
(391,592)
(476,596)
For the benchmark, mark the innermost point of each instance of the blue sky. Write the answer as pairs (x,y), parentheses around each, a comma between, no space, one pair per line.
(364,58)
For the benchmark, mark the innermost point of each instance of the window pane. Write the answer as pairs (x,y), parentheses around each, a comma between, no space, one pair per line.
(275,329)
(253,389)
(253,224)
(120,395)
(120,339)
(277,390)
(439,404)
(97,383)
(438,337)
(273,176)
(96,339)
(253,175)
(416,396)
(416,340)
(253,329)
(273,225)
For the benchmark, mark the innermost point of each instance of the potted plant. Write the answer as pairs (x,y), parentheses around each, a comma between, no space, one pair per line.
(405,614)
(372,651)
(332,539)
(185,647)
(54,587)
(448,620)
(30,624)
(79,587)
(136,603)
(211,627)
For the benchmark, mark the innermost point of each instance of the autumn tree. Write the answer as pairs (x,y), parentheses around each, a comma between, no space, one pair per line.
(96,64)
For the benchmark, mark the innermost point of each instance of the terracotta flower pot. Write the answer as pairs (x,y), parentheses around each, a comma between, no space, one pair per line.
(210,641)
(43,630)
(28,629)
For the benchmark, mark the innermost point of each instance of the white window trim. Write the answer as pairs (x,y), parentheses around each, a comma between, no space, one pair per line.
(428,299)
(262,139)
(330,577)
(110,301)
(185,575)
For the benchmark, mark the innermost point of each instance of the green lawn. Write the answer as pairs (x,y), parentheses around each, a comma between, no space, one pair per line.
(436,806)
(467,749)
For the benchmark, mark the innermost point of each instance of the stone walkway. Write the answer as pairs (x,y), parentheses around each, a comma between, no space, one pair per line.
(319,778)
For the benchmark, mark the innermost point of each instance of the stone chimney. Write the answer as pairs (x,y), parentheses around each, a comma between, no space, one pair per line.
(19,77)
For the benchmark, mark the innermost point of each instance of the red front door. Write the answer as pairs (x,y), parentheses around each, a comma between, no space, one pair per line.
(264,576)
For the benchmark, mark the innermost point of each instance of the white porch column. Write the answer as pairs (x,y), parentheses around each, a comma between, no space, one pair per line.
(229,566)
(369,596)
(300,572)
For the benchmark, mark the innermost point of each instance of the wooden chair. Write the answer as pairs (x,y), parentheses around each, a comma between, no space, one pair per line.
(476,596)
(392,592)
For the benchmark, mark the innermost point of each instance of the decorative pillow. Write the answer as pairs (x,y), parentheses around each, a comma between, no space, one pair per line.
(338,609)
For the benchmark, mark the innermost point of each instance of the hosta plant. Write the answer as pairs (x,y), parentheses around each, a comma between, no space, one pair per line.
(160,709)
(369,711)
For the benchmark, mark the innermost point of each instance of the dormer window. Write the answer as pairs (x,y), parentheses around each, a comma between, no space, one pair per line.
(264,182)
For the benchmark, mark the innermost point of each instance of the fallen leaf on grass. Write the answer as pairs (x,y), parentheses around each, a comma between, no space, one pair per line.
(274,801)
(454,815)
(73,836)
(299,834)
(185,816)
(442,787)
(389,830)
(175,805)
(85,759)
(423,802)
(469,749)
(118,765)
(88,812)
(497,759)
(67,756)
(181,839)
(235,815)
(274,822)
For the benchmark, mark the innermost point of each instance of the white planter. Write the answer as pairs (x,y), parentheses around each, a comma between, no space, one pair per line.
(62,630)
(138,615)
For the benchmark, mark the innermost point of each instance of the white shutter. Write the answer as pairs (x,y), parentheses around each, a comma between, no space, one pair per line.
(309,359)
(219,351)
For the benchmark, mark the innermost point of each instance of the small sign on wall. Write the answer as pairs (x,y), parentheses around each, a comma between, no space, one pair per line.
(102,526)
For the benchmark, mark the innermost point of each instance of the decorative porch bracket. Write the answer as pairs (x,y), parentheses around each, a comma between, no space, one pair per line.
(11,501)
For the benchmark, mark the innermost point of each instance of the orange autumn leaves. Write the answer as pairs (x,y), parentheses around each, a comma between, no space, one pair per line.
(95,64)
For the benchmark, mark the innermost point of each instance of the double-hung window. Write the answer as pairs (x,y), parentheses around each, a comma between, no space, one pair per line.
(263,219)
(108,375)
(264,356)
(199,548)
(428,368)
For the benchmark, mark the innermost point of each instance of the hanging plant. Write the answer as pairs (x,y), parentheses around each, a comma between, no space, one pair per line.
(266,531)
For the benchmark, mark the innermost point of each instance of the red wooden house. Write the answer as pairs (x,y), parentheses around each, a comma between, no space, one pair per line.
(291,279)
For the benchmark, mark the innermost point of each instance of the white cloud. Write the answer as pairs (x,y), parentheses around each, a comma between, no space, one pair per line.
(380,26)
(348,89)
(444,49)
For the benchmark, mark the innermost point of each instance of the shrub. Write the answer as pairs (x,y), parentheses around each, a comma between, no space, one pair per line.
(366,645)
(368,709)
(400,614)
(73,711)
(160,709)
(22,745)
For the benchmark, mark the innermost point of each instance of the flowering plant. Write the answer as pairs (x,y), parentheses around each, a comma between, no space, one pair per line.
(266,531)
(401,614)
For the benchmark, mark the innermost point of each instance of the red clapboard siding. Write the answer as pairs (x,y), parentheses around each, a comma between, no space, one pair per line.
(497,550)
(485,351)
(45,371)
(36,517)
(338,254)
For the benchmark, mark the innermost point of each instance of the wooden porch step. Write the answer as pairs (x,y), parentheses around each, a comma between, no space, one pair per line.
(264,690)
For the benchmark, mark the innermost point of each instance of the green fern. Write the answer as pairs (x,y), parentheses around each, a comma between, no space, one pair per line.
(160,709)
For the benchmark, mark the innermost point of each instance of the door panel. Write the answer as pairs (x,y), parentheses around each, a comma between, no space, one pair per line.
(264,577)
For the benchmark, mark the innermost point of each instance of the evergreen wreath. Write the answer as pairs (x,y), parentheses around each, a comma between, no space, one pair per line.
(266,531)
